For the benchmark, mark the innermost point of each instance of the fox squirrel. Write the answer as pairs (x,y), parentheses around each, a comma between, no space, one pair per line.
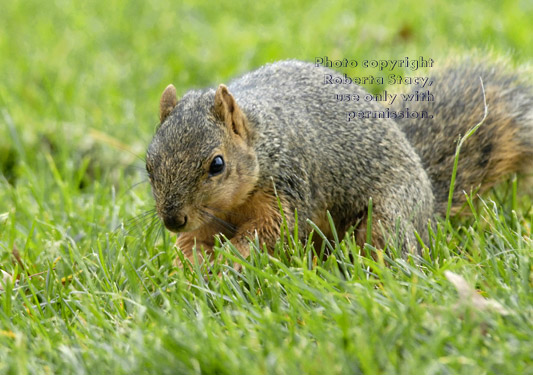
(221,158)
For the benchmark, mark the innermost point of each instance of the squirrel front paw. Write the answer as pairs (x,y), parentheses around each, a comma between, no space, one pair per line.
(186,243)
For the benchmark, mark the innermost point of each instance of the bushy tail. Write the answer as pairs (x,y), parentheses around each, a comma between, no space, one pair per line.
(503,144)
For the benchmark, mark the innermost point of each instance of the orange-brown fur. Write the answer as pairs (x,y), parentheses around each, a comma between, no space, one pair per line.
(257,215)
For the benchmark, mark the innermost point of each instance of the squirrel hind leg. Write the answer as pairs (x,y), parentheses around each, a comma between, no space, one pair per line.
(395,222)
(383,234)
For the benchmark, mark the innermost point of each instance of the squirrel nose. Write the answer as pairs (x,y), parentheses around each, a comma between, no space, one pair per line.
(175,223)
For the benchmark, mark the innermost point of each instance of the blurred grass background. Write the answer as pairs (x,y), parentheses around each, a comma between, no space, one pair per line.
(79,91)
(103,64)
(69,69)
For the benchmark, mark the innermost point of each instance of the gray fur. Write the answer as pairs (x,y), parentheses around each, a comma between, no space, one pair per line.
(318,160)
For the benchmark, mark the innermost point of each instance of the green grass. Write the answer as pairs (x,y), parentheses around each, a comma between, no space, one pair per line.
(95,288)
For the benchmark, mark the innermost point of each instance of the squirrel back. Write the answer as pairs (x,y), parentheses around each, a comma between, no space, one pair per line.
(222,159)
(503,144)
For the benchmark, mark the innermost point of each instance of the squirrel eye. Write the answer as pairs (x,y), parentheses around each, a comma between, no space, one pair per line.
(217,166)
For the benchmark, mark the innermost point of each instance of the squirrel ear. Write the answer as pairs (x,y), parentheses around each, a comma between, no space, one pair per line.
(167,102)
(227,109)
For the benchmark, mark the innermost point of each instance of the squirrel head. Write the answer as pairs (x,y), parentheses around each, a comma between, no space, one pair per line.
(201,162)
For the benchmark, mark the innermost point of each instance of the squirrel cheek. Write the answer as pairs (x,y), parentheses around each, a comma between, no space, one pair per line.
(241,191)
(224,197)
(221,198)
